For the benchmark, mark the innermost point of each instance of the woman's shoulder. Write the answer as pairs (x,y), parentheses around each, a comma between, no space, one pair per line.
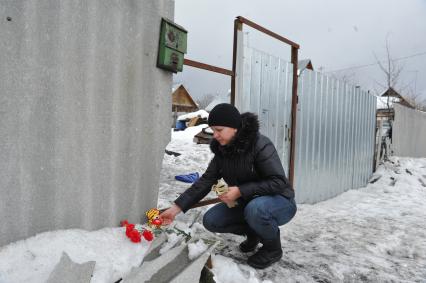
(262,140)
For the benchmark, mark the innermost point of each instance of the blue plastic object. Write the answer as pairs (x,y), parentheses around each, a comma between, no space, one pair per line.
(188,178)
(180,125)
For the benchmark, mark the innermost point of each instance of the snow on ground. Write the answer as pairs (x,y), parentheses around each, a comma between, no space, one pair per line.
(196,249)
(33,259)
(373,234)
(193,158)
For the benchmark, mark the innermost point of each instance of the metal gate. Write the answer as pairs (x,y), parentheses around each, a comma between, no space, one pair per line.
(267,85)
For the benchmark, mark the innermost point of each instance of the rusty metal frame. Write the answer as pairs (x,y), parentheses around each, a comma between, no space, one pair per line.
(211,68)
(207,67)
(238,25)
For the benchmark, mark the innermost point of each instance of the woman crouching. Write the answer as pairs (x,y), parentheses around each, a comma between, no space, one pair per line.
(259,197)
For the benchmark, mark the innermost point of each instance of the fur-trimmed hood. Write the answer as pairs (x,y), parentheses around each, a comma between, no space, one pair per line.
(243,140)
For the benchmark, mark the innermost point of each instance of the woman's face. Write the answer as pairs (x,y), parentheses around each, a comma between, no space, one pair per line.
(223,134)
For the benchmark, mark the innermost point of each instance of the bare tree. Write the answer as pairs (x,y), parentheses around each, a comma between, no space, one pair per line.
(391,69)
(415,99)
(205,100)
(346,77)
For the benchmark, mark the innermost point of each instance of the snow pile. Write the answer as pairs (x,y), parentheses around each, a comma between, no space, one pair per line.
(183,140)
(172,241)
(33,260)
(227,271)
(200,113)
(196,249)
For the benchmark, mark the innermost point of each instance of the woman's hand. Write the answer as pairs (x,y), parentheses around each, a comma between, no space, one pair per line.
(169,215)
(230,196)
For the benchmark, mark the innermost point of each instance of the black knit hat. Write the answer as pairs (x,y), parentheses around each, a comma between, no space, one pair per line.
(225,115)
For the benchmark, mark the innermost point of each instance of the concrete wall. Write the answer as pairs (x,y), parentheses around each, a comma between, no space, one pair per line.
(84,113)
(409,132)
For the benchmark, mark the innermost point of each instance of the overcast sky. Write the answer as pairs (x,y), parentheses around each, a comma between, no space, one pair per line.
(334,34)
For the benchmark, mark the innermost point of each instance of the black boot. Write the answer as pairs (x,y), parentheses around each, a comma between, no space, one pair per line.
(250,243)
(268,254)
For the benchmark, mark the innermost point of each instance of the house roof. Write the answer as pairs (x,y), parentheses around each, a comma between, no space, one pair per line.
(305,64)
(182,98)
(397,98)
(224,98)
(391,92)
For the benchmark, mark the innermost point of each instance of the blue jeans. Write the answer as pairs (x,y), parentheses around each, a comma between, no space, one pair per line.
(262,215)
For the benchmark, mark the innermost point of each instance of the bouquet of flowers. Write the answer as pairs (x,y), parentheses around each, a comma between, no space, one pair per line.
(135,232)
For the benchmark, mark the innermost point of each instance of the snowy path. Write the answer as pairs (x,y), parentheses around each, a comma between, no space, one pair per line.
(373,234)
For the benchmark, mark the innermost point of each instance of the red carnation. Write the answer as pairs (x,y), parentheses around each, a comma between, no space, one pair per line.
(129,229)
(124,223)
(148,235)
(135,236)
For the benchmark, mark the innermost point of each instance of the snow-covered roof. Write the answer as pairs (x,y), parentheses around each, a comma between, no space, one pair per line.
(303,64)
(225,98)
(200,113)
(394,97)
(382,102)
(175,87)
(390,92)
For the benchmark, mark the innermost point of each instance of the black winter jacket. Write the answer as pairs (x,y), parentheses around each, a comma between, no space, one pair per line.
(250,161)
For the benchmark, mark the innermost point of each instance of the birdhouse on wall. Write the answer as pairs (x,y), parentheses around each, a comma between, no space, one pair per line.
(172,46)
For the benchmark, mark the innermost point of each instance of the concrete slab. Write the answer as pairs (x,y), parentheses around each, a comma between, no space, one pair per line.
(173,266)
(67,271)
(192,273)
(154,250)
(150,268)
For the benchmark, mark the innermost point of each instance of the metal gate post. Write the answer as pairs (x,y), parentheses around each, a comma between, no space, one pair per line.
(239,21)
(294,101)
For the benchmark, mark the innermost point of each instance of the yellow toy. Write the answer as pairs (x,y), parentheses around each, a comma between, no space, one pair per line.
(154,219)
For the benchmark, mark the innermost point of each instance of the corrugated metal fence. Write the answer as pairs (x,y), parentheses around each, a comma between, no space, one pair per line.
(335,124)
(335,137)
(409,132)
(81,113)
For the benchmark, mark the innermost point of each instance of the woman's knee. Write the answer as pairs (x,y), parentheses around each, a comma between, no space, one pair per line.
(208,221)
(270,209)
(256,211)
(214,216)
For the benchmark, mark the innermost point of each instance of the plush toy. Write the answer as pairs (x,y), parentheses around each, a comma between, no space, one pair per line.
(154,219)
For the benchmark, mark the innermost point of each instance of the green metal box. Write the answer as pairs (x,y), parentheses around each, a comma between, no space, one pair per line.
(172,46)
